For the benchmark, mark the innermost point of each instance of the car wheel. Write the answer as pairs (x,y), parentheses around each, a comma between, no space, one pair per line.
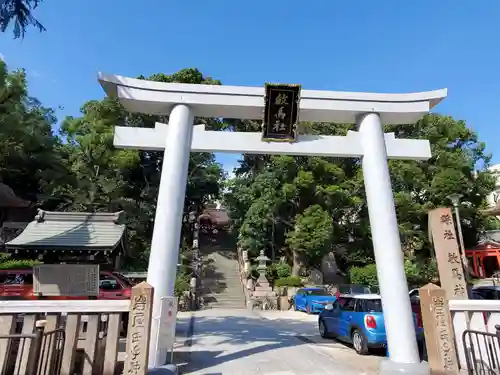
(359,342)
(295,306)
(322,330)
(308,309)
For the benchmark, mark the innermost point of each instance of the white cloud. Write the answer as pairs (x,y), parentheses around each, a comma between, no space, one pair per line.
(229,169)
(2,57)
(230,174)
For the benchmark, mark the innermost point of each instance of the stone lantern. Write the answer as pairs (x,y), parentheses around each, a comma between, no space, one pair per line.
(261,269)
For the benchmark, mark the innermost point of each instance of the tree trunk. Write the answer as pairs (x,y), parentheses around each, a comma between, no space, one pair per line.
(298,262)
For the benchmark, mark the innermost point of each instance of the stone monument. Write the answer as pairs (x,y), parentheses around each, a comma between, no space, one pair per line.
(263,294)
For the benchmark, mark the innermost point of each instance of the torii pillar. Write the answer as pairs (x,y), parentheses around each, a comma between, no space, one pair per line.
(369,111)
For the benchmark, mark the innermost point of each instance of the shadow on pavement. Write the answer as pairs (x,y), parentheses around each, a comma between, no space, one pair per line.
(236,337)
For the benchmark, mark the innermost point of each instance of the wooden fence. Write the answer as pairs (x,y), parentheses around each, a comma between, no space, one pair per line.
(89,340)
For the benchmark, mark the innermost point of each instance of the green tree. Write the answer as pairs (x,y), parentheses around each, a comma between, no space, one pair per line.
(100,174)
(107,179)
(20,14)
(458,165)
(312,235)
(271,193)
(29,161)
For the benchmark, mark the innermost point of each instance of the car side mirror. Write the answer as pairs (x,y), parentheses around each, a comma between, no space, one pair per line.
(329,307)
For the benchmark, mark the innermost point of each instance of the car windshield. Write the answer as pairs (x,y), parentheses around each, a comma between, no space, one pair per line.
(124,279)
(373,305)
(317,292)
(354,289)
(360,289)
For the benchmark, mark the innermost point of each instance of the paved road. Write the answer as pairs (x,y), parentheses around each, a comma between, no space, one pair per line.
(237,342)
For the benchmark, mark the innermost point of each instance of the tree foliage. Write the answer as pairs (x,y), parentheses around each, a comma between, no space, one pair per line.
(29,161)
(78,169)
(273,196)
(295,208)
(19,14)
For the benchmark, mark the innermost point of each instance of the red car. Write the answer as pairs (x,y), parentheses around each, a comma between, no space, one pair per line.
(18,284)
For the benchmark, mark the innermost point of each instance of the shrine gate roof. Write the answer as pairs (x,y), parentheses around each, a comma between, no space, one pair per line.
(71,230)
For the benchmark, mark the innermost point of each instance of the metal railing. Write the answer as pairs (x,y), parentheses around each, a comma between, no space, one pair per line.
(51,352)
(38,353)
(482,352)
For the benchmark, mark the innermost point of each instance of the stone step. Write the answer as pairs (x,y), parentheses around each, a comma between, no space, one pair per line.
(227,296)
(224,296)
(218,288)
(222,277)
(222,286)
(223,282)
(227,299)
(222,293)
(232,307)
(227,303)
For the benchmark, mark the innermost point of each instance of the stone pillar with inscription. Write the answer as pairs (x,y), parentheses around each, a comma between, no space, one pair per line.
(444,239)
(139,330)
(438,327)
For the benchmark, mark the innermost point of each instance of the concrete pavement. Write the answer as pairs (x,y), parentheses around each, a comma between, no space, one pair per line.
(239,342)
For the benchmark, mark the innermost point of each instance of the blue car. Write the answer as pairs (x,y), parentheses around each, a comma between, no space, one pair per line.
(358,320)
(312,300)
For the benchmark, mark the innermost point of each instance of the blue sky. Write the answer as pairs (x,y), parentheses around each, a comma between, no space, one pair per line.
(357,45)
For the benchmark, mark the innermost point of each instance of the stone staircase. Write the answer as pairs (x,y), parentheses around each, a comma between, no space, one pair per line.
(220,283)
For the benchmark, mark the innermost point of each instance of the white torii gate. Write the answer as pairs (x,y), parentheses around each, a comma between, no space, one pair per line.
(185,101)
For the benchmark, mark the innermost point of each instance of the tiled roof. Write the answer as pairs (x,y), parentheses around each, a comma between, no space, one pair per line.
(220,216)
(491,235)
(71,230)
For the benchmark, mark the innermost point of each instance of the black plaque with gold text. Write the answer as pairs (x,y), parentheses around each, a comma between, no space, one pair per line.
(281,112)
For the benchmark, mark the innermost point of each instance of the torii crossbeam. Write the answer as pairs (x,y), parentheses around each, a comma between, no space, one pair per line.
(251,143)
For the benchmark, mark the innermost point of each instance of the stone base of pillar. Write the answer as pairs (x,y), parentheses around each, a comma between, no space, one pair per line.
(164,370)
(388,367)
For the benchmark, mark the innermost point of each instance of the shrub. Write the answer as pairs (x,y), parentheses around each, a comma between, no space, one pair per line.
(181,284)
(283,270)
(18,264)
(292,281)
(366,275)
(416,274)
(275,271)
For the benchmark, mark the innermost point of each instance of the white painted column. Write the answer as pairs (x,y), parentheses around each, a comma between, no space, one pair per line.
(387,244)
(164,254)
